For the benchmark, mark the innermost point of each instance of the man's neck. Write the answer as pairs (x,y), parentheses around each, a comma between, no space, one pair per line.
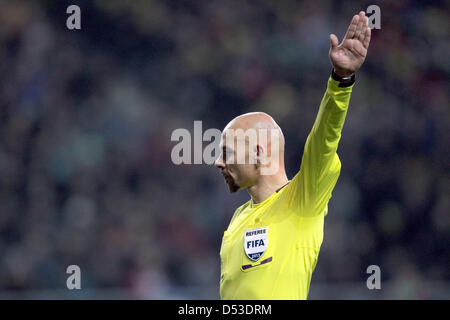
(267,185)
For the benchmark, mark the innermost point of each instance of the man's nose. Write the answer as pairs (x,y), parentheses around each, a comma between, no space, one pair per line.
(219,163)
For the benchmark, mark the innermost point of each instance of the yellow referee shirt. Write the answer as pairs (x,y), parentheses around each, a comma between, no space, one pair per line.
(270,249)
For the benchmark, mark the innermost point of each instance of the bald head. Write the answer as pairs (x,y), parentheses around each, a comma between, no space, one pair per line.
(252,153)
(255,120)
(259,121)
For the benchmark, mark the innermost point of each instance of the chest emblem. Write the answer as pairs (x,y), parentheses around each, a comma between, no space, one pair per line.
(256,242)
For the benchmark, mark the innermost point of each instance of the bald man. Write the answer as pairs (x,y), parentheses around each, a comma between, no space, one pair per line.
(271,246)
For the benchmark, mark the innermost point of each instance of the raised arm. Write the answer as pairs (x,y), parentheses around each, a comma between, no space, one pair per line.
(311,188)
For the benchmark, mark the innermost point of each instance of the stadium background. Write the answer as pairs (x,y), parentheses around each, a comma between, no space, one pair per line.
(85,124)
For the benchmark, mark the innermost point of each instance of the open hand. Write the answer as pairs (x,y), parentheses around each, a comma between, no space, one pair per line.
(348,56)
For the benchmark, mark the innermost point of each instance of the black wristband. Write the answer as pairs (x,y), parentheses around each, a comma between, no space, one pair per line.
(344,81)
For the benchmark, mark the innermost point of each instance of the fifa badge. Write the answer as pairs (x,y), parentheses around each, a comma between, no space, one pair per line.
(256,242)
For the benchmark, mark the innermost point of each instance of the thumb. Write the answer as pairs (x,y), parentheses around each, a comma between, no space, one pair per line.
(334,41)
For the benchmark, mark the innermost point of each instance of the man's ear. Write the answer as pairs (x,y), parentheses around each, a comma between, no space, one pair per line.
(260,155)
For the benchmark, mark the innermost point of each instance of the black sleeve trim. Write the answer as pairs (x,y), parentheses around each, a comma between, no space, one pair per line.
(344,82)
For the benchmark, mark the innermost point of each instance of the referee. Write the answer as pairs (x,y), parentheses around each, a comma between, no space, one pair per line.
(271,246)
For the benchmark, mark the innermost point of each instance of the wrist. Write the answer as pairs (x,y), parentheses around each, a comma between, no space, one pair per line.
(343,73)
(345,80)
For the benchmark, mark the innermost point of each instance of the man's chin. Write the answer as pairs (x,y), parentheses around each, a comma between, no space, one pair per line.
(232,187)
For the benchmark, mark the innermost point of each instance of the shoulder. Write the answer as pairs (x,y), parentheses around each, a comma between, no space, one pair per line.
(239,210)
(242,208)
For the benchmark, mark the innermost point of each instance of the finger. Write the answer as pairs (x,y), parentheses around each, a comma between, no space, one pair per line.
(360,25)
(367,37)
(352,27)
(334,41)
(362,35)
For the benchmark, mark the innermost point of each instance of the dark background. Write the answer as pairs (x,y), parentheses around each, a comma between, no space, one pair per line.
(86,118)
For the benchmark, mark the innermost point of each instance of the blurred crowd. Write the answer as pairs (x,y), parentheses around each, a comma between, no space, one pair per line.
(86,117)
